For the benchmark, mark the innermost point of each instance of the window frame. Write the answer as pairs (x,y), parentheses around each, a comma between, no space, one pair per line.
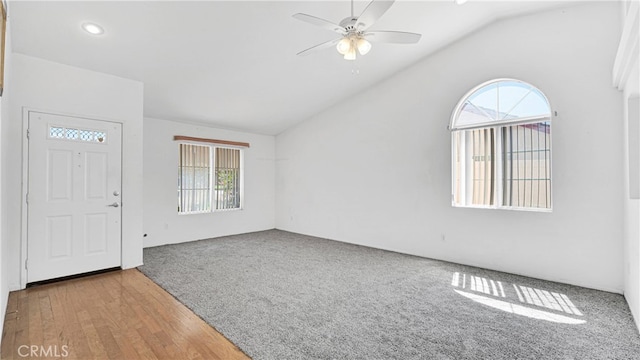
(212,176)
(497,126)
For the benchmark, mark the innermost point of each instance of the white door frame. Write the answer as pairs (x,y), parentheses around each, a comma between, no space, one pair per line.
(25,182)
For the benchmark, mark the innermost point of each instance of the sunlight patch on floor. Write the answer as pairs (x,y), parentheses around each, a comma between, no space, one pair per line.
(492,293)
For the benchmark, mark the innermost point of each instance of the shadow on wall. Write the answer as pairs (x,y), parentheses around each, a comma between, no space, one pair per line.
(555,306)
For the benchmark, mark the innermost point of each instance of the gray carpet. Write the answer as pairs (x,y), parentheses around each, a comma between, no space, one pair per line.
(279,295)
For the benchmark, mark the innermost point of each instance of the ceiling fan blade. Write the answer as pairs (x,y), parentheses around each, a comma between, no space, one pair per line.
(372,13)
(393,37)
(320,22)
(318,47)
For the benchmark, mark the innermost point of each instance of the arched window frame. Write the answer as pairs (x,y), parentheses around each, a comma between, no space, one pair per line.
(498,190)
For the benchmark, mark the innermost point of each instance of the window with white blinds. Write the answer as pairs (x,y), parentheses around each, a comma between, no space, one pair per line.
(501,147)
(209,178)
(227,174)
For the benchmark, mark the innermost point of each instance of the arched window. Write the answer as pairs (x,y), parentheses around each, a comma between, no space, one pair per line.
(501,147)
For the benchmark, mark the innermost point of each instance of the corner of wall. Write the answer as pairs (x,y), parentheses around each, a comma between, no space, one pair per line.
(626,75)
(4,117)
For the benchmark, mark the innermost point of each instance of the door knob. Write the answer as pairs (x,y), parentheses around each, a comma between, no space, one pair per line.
(115,204)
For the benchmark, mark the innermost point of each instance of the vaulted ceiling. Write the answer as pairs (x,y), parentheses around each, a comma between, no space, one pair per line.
(233,64)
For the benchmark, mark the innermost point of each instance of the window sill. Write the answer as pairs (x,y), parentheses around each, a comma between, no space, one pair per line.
(209,212)
(508,208)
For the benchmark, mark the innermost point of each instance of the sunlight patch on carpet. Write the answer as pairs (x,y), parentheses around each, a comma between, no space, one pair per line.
(492,293)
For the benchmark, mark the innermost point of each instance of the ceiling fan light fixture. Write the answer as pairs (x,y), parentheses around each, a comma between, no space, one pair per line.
(351,54)
(363,46)
(344,45)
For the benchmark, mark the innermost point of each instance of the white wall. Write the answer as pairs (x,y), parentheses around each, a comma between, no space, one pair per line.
(375,170)
(5,256)
(163,224)
(51,87)
(631,90)
(632,212)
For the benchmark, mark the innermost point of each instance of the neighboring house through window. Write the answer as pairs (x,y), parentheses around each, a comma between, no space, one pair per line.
(501,147)
(209,178)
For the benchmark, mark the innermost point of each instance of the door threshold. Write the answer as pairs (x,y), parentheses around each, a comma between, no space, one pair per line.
(71,277)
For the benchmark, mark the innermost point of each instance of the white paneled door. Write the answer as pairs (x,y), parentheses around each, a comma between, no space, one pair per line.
(73,200)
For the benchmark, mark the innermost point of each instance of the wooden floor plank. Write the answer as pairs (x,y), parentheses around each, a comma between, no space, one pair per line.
(50,336)
(116,315)
(36,330)
(10,326)
(75,339)
(93,339)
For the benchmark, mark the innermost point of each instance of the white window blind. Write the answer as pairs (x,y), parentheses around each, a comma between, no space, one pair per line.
(194,178)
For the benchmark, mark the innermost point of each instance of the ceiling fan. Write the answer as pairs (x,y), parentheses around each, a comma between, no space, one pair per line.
(353,31)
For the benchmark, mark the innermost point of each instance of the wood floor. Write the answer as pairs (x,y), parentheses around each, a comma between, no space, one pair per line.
(116,315)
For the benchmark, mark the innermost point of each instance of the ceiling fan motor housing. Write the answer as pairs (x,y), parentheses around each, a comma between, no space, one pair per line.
(349,23)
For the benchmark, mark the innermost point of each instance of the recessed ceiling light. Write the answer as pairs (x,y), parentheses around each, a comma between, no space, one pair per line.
(93,29)
(460,2)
